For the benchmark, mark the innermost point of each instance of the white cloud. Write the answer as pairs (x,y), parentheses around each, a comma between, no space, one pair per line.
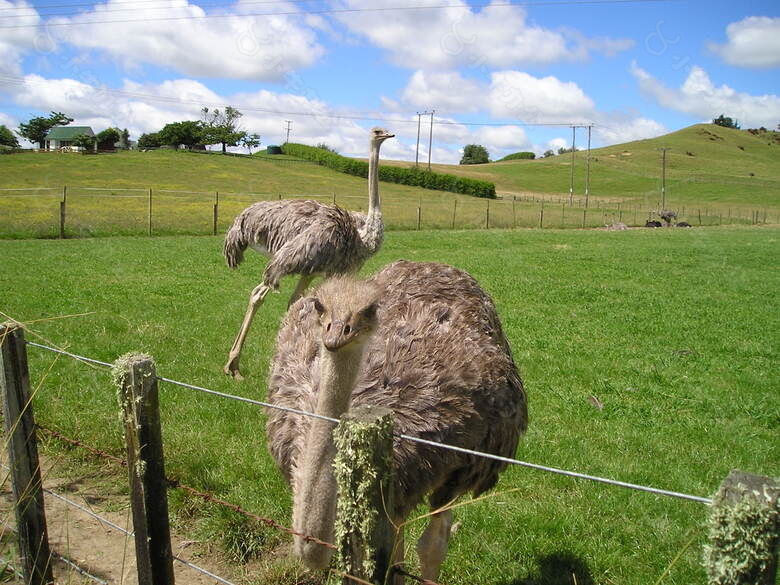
(448,92)
(699,97)
(235,46)
(615,131)
(15,42)
(752,42)
(494,37)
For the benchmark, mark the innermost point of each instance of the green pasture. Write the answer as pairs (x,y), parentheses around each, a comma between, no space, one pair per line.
(649,356)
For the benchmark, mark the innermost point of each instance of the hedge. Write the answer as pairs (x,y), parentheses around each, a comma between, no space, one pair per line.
(414,177)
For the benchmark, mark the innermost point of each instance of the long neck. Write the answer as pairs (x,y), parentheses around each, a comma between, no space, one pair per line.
(373,230)
(314,505)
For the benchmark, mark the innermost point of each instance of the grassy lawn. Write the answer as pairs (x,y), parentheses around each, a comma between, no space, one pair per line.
(649,356)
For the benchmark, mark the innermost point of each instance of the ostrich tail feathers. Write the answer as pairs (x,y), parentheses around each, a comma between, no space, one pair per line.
(235,244)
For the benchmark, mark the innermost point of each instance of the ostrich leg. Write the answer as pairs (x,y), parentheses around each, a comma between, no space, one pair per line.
(300,288)
(432,546)
(255,300)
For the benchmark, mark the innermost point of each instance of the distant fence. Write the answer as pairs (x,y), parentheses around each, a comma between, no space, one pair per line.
(744,525)
(72,211)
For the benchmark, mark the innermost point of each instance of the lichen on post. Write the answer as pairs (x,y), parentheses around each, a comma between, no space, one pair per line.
(744,531)
(363,470)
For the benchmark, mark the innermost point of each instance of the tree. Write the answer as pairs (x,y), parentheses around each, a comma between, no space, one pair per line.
(36,129)
(108,138)
(474,154)
(726,122)
(548,153)
(124,139)
(7,138)
(188,133)
(150,140)
(221,127)
(250,141)
(84,141)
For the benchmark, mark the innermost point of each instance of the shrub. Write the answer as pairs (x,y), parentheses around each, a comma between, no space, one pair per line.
(414,177)
(519,156)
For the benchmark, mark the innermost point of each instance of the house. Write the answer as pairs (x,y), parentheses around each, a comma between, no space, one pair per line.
(61,137)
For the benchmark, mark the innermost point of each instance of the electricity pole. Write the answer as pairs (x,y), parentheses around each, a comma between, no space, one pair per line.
(571,171)
(417,150)
(587,169)
(430,140)
(663,176)
(289,123)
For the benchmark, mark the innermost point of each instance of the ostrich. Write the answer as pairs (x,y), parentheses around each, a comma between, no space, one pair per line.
(306,238)
(422,339)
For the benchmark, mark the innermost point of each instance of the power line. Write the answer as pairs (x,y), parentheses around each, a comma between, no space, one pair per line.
(338,11)
(21,81)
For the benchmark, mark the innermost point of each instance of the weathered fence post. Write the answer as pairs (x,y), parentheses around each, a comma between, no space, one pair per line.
(541,216)
(135,374)
(365,535)
(744,531)
(23,457)
(63,210)
(150,211)
(454,211)
(514,212)
(487,215)
(216,212)
(419,217)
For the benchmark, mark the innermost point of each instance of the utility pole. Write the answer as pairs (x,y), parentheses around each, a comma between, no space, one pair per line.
(289,123)
(417,150)
(571,171)
(587,169)
(430,140)
(663,176)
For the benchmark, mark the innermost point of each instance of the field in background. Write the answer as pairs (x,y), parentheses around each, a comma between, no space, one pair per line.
(650,356)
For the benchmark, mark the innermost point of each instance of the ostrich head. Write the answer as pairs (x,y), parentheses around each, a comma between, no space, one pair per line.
(347,309)
(379,135)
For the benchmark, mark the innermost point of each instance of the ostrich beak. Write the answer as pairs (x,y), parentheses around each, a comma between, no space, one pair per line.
(338,334)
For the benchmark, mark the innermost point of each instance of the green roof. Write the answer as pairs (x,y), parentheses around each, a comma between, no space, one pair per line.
(68,132)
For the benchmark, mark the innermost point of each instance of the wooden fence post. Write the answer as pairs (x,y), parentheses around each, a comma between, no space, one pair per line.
(487,215)
(63,210)
(150,211)
(365,535)
(514,212)
(135,374)
(419,217)
(744,531)
(216,212)
(23,457)
(454,211)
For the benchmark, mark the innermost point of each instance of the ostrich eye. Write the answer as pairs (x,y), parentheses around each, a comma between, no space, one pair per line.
(327,327)
(347,329)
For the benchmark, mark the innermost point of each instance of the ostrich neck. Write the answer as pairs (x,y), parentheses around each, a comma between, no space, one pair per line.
(314,506)
(373,230)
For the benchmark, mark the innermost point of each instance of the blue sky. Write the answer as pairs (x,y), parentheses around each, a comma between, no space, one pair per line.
(508,75)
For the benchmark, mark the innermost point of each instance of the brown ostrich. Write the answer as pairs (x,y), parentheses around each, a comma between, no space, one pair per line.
(423,340)
(306,238)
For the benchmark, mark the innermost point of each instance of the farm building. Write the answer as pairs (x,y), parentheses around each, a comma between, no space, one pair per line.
(63,136)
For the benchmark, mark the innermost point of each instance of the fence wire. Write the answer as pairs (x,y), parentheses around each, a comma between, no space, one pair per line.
(507,460)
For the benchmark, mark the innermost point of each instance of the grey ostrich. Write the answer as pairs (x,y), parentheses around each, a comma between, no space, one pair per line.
(306,238)
(423,340)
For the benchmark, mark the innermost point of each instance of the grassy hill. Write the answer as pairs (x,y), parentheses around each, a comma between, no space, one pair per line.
(707,165)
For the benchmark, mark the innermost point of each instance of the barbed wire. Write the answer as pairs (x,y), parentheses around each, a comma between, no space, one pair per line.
(507,460)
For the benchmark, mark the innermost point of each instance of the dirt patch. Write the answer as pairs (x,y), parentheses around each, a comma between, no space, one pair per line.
(102,548)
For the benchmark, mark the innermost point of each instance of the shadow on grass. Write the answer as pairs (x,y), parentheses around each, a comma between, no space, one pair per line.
(559,568)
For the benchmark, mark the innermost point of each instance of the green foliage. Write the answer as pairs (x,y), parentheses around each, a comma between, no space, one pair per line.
(519,156)
(150,140)
(548,153)
(474,154)
(725,122)
(250,141)
(84,141)
(392,174)
(324,146)
(36,129)
(187,133)
(221,127)
(7,137)
(108,138)
(125,139)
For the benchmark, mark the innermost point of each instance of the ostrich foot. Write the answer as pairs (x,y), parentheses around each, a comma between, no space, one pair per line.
(231,369)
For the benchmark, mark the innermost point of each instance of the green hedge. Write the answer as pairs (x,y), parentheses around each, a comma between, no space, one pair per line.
(414,177)
(519,156)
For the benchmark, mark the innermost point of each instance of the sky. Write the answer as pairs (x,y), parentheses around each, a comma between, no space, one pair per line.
(511,76)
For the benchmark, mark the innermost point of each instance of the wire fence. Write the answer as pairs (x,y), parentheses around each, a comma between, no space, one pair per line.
(73,211)
(212,499)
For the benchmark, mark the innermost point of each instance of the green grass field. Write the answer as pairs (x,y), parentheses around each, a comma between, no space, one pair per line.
(108,194)
(649,356)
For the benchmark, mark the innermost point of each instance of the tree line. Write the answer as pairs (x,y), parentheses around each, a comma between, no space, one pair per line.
(215,127)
